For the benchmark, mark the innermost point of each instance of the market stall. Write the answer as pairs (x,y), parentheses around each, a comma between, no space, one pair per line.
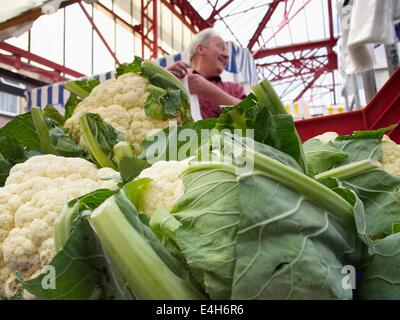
(112,187)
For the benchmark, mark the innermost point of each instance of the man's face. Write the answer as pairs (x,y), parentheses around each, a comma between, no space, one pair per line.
(215,55)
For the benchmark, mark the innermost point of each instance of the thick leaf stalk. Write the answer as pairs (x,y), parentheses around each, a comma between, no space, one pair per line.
(42,130)
(349,170)
(142,268)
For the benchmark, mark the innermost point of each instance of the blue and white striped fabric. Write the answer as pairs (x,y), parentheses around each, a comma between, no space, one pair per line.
(171,59)
(55,94)
(241,62)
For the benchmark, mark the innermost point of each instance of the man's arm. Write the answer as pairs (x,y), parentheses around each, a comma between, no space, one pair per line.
(202,87)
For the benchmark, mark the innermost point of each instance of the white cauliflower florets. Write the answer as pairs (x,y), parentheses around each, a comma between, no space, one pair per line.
(120,102)
(4,275)
(391,156)
(32,198)
(166,186)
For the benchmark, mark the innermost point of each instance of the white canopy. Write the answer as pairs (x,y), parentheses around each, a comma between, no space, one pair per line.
(13,9)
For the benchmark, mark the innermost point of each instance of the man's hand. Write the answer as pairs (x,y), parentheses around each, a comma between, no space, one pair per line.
(179,69)
(199,85)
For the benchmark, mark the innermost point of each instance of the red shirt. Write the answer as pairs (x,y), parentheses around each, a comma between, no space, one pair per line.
(212,110)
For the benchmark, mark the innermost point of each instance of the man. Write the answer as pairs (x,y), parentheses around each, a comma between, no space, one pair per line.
(208,56)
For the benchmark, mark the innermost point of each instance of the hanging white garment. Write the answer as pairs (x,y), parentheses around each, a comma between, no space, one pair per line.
(372,22)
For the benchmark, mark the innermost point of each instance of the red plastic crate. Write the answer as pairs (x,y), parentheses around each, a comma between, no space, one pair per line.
(382,111)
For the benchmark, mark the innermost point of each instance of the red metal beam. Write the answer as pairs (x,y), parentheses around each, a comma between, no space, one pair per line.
(263,23)
(297,62)
(330,15)
(44,62)
(149,27)
(15,62)
(99,33)
(155,29)
(187,14)
(211,19)
(295,47)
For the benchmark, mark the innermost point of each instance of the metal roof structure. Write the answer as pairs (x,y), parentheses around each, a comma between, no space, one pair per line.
(292,41)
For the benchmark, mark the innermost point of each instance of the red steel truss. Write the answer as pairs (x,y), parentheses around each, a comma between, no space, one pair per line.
(295,47)
(14,58)
(308,62)
(305,61)
(301,63)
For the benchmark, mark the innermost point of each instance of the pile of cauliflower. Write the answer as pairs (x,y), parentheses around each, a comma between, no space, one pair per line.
(120,102)
(32,198)
(37,190)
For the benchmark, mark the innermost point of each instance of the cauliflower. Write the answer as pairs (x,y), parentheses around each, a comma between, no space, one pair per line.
(5,273)
(166,187)
(120,103)
(32,198)
(391,152)
(134,105)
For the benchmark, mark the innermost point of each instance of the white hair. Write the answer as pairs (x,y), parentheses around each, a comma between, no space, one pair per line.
(203,38)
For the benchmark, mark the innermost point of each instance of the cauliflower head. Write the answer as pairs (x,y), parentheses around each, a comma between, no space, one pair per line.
(166,186)
(33,196)
(120,102)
